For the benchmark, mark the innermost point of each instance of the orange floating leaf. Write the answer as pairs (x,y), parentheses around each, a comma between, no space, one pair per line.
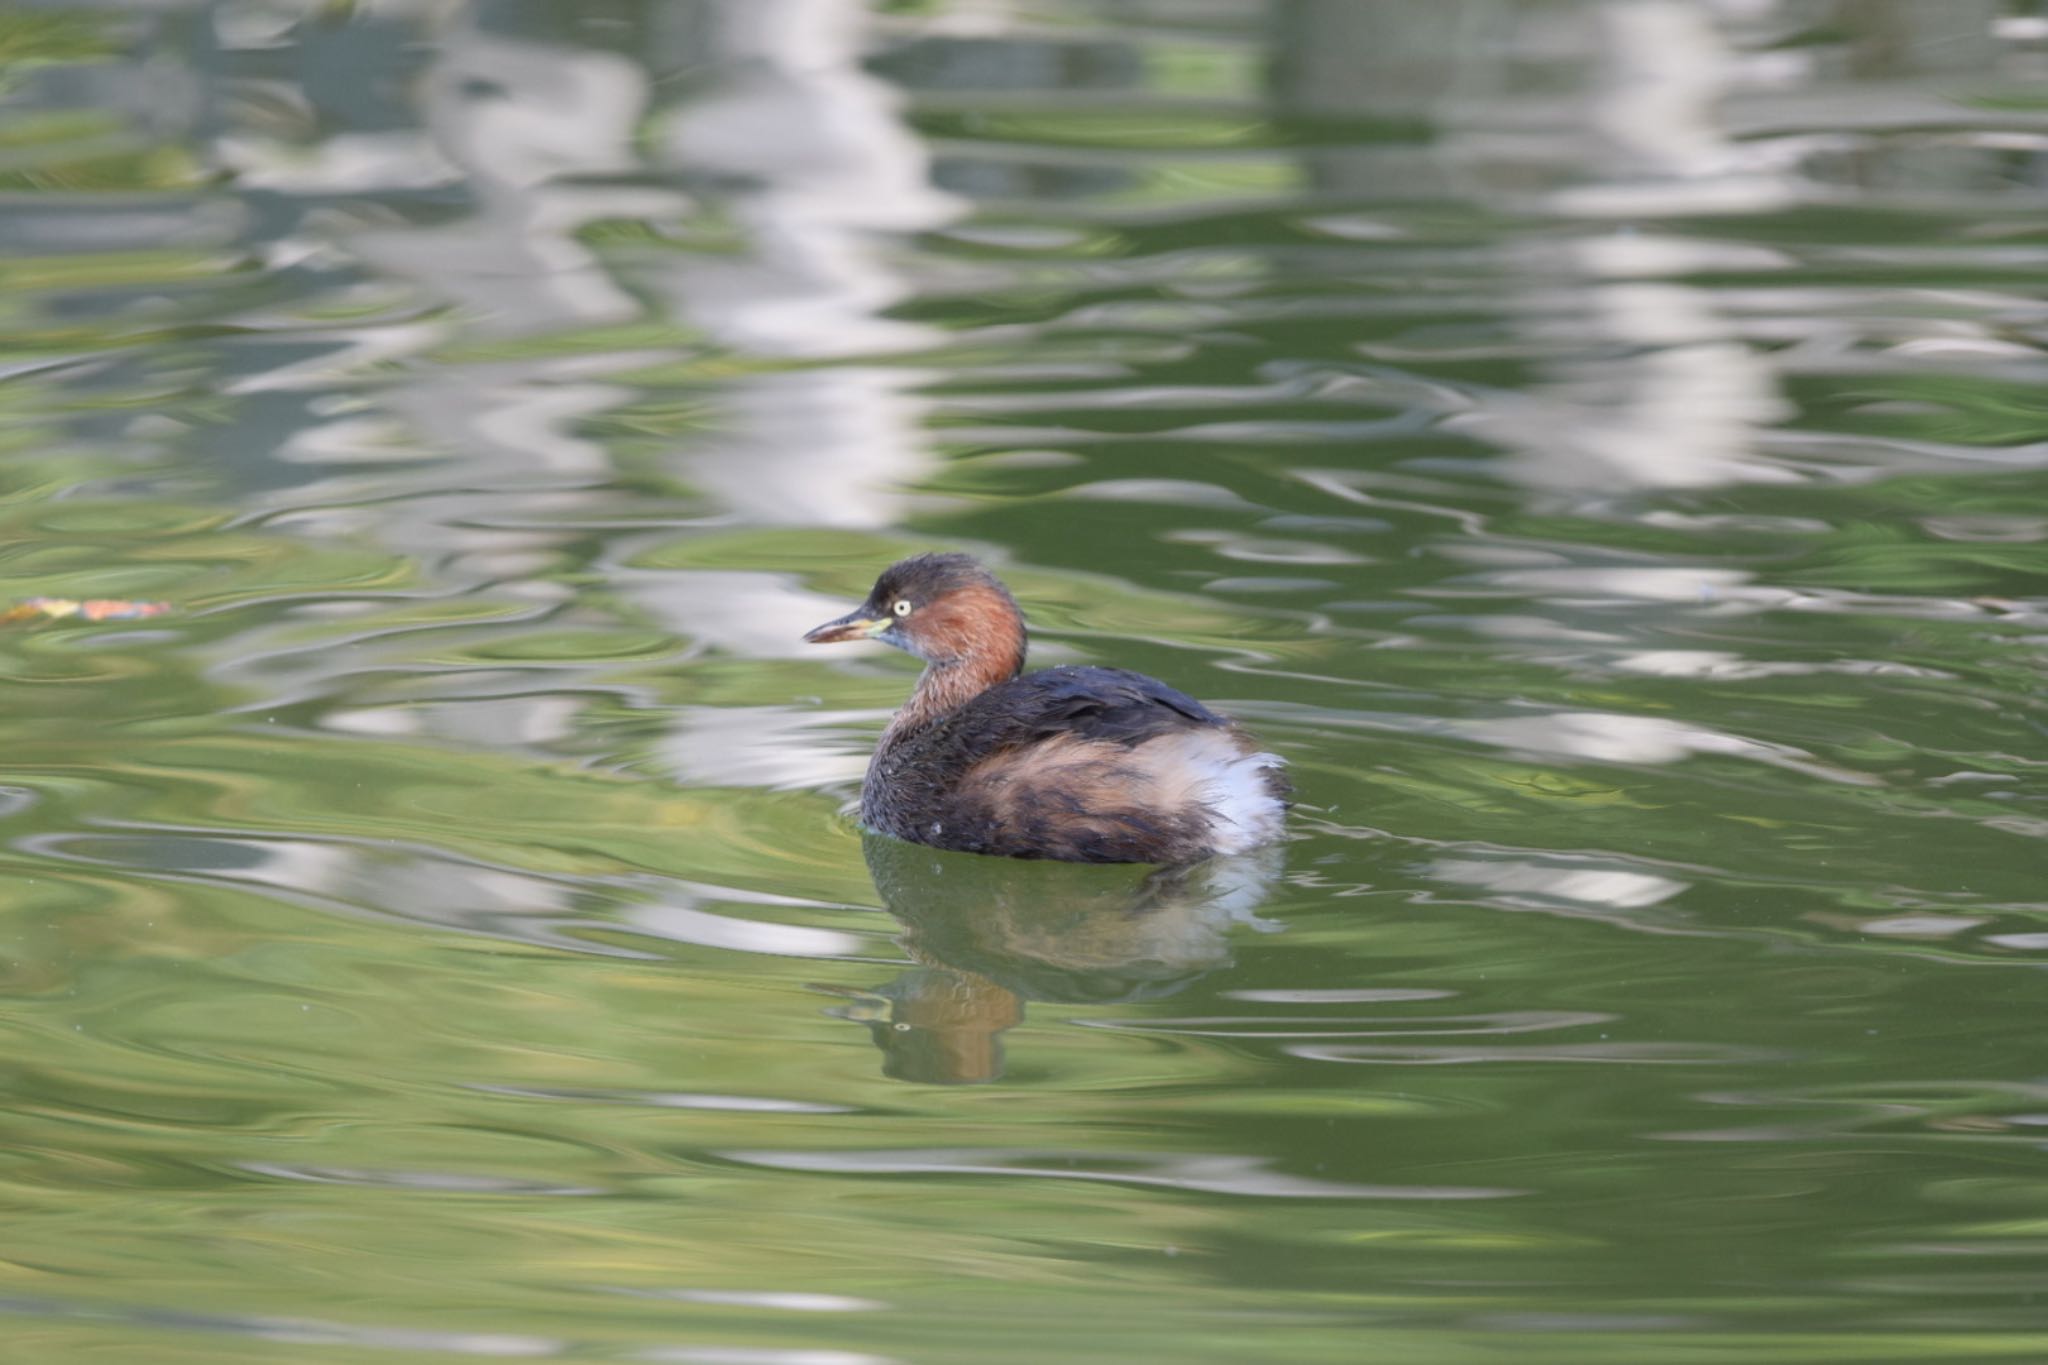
(92,609)
(120,609)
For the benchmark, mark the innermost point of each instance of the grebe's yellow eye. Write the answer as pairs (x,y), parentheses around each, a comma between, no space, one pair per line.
(902,607)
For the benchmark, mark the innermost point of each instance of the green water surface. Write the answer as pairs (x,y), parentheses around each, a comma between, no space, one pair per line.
(1600,443)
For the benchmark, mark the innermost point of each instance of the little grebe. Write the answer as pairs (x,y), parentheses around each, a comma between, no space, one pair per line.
(1089,765)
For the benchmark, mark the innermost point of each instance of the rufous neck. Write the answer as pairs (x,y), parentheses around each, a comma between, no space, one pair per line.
(946,687)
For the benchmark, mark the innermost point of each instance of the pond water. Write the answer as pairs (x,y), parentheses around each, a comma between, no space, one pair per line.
(1601,444)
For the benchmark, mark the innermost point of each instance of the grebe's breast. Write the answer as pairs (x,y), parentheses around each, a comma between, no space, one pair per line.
(1081,764)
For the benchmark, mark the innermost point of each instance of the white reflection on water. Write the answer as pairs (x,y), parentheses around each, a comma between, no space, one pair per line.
(816,156)
(298,1331)
(1360,995)
(405,159)
(754,615)
(535,128)
(795,148)
(757,1355)
(779,1301)
(765,746)
(1310,1026)
(1716,663)
(1238,1175)
(812,161)
(671,1099)
(1614,738)
(1609,886)
(1657,119)
(1923,926)
(384,879)
(1675,398)
(534,721)
(457,1182)
(836,447)
(687,924)
(1616,1053)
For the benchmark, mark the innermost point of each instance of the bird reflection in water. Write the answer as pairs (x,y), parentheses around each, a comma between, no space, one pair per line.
(988,934)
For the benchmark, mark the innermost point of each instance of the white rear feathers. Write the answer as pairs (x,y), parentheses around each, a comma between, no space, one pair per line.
(1218,771)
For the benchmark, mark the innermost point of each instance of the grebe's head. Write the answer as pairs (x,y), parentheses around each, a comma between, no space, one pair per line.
(945,609)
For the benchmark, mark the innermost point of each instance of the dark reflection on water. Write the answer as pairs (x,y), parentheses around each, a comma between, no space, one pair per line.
(1598,442)
(991,933)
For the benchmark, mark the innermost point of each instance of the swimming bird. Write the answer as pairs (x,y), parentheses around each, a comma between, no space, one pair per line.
(1082,764)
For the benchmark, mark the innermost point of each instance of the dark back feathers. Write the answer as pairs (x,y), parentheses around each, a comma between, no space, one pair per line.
(1108,705)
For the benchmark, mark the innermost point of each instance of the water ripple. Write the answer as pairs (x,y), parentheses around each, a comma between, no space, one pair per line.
(1599,445)
(1246,1176)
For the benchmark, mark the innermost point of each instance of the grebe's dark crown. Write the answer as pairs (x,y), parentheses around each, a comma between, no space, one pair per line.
(924,577)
